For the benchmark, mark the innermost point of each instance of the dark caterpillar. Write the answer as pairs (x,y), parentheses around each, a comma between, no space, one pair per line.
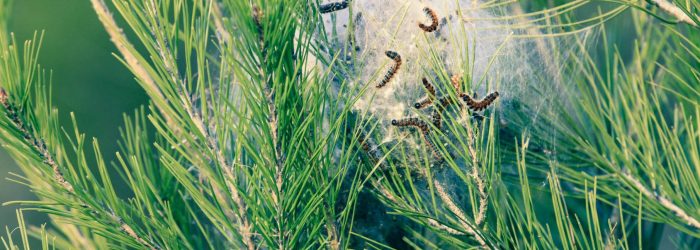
(433,18)
(415,122)
(429,99)
(331,7)
(480,105)
(392,71)
(443,104)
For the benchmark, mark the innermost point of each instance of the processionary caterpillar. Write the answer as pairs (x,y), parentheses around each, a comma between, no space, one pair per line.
(415,122)
(480,105)
(443,103)
(331,7)
(428,99)
(392,71)
(433,18)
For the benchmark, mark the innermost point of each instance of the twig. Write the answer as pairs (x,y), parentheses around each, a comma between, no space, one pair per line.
(442,194)
(674,11)
(163,47)
(40,146)
(218,16)
(269,93)
(125,48)
(668,204)
(480,185)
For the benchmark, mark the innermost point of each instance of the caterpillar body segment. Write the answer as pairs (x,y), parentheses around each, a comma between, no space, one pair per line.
(431,95)
(393,70)
(482,104)
(332,7)
(434,22)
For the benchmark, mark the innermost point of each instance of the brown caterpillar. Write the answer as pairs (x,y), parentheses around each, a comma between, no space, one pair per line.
(331,7)
(480,105)
(433,18)
(437,111)
(429,99)
(392,71)
(415,122)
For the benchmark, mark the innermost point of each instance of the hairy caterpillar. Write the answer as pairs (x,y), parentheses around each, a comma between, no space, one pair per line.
(433,18)
(415,122)
(392,71)
(443,103)
(429,99)
(331,7)
(480,105)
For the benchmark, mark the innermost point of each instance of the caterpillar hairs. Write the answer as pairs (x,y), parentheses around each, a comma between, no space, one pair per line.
(433,18)
(392,71)
(442,104)
(332,7)
(415,122)
(428,99)
(480,105)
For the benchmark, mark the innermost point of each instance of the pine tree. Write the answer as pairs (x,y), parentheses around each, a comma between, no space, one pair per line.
(362,124)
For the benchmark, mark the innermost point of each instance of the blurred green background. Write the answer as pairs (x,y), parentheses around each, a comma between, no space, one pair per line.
(87,80)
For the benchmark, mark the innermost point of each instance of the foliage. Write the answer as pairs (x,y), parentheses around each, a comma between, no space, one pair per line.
(252,138)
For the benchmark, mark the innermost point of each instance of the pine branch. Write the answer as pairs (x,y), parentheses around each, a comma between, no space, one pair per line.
(39,146)
(445,198)
(125,48)
(480,185)
(675,11)
(665,202)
